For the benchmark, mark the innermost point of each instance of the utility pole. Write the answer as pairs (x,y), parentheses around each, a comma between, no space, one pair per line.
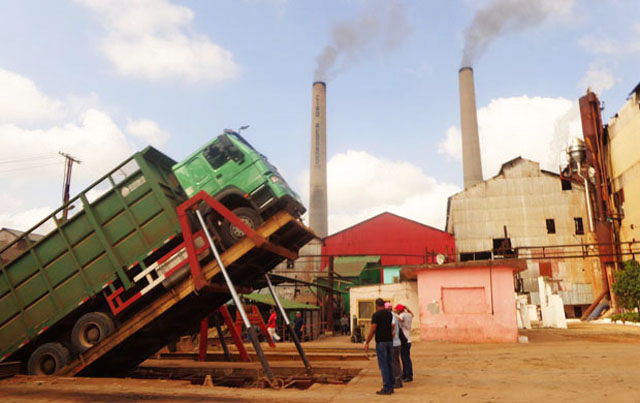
(66,185)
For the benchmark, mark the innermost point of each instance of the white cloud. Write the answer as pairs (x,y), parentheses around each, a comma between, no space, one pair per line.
(148,131)
(451,146)
(94,138)
(37,128)
(26,219)
(155,40)
(361,185)
(604,46)
(599,79)
(536,128)
(22,101)
(607,46)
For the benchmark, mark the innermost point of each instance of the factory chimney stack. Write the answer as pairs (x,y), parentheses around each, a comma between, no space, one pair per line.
(318,220)
(471,161)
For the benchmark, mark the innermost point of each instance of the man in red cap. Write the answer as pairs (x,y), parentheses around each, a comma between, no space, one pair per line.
(405,317)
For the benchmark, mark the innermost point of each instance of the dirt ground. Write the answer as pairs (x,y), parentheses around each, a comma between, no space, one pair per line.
(585,363)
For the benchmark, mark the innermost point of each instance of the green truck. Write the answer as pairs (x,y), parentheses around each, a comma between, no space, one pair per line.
(117,248)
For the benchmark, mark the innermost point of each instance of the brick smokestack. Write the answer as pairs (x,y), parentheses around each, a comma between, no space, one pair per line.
(471,161)
(318,220)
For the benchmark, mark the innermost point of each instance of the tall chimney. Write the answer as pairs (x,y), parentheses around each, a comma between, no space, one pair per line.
(471,161)
(318,174)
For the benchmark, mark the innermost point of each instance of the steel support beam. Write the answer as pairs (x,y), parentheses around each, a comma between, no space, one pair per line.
(293,334)
(251,331)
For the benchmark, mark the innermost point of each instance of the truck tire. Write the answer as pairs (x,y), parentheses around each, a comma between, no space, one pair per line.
(48,359)
(91,329)
(231,234)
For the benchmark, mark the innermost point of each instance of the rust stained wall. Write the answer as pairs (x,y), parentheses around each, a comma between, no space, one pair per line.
(523,197)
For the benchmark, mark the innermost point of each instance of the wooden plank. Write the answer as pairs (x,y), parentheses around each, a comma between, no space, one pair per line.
(167,300)
(8,369)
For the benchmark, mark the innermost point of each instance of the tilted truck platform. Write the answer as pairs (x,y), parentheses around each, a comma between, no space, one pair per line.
(181,309)
(126,273)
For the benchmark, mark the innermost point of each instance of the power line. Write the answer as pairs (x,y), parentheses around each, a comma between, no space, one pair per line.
(29,159)
(29,167)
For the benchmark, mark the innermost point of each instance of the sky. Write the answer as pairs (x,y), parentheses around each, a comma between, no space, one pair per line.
(101,79)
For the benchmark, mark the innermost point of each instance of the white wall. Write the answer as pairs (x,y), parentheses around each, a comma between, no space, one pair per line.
(405,293)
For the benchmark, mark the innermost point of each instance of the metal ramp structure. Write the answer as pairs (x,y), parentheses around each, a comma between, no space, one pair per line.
(180,309)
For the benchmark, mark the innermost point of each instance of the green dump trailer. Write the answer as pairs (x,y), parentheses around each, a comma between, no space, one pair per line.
(115,225)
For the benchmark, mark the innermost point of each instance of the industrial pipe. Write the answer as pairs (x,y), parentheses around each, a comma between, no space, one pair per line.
(293,334)
(588,197)
(236,300)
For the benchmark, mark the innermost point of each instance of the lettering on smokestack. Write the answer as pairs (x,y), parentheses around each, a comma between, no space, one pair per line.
(471,161)
(317,130)
(318,220)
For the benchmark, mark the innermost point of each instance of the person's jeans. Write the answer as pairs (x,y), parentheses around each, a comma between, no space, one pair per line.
(407,366)
(384,352)
(397,369)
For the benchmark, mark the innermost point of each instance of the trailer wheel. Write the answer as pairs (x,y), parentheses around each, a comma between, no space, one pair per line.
(90,330)
(48,359)
(231,234)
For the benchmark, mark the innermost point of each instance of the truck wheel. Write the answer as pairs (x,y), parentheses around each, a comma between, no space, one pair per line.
(48,359)
(231,234)
(90,330)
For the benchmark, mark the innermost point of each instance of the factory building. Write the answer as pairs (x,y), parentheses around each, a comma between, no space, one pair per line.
(8,236)
(528,212)
(624,134)
(397,240)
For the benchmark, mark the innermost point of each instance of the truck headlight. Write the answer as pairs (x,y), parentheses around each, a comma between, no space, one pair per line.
(276,179)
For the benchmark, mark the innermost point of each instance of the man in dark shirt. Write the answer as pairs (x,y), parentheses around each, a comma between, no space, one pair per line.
(298,326)
(382,327)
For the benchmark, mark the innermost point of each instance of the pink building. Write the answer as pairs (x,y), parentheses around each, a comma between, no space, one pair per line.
(470,302)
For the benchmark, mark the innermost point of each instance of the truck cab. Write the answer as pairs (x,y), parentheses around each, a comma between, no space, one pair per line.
(231,170)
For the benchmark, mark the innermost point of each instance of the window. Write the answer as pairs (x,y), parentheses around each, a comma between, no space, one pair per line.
(291,264)
(216,156)
(470,256)
(566,185)
(577,311)
(551,226)
(502,247)
(579,226)
(366,309)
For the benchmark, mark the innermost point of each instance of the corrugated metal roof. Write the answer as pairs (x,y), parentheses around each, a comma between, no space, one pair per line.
(267,299)
(17,234)
(352,266)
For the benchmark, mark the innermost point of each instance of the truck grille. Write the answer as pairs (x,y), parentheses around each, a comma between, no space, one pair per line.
(262,196)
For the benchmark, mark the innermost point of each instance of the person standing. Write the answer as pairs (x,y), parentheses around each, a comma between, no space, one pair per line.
(382,327)
(397,345)
(405,316)
(344,324)
(298,326)
(271,325)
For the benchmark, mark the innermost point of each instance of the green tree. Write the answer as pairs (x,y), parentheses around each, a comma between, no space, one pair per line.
(627,285)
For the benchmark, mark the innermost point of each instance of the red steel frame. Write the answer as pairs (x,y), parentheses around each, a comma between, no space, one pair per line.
(237,337)
(117,305)
(202,196)
(235,328)
(256,319)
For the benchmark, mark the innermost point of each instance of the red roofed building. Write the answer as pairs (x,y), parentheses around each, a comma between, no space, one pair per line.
(397,240)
